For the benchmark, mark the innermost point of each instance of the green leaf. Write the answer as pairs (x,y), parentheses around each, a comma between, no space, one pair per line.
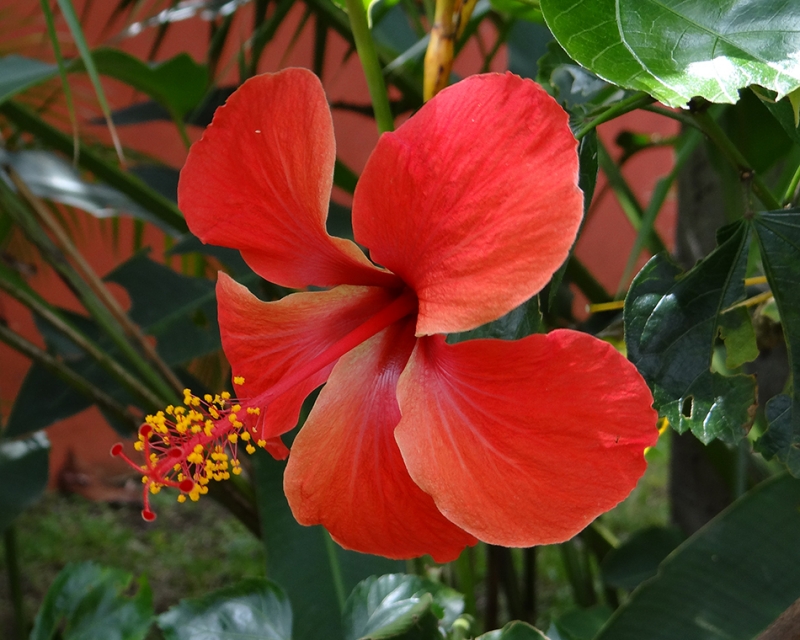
(515,631)
(48,176)
(678,49)
(87,601)
(517,323)
(179,84)
(778,235)
(582,624)
(179,311)
(522,9)
(400,606)
(389,607)
(630,564)
(736,330)
(18,73)
(728,581)
(254,608)
(23,475)
(671,324)
(315,572)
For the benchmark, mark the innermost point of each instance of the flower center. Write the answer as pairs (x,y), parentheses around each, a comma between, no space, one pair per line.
(186,447)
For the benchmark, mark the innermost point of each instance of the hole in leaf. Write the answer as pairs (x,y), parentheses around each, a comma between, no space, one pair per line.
(687,407)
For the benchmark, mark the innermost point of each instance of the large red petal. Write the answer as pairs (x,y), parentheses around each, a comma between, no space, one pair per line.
(473,201)
(259,180)
(268,342)
(526,442)
(345,470)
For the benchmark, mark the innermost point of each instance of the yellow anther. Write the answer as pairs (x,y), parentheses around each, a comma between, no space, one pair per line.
(262,443)
(238,380)
(208,397)
(225,395)
(139,446)
(245,436)
(236,471)
(254,411)
(181,497)
(233,438)
(250,449)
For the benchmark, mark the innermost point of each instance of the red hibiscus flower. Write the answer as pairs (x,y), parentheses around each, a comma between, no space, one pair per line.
(415,445)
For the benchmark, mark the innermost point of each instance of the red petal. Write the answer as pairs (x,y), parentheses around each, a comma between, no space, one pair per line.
(524,443)
(266,342)
(345,470)
(260,181)
(473,201)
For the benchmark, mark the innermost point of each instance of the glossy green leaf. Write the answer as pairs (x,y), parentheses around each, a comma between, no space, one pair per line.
(671,323)
(316,573)
(678,49)
(778,234)
(522,9)
(23,475)
(18,73)
(515,631)
(728,581)
(254,609)
(179,83)
(517,323)
(633,562)
(87,601)
(49,176)
(400,606)
(28,121)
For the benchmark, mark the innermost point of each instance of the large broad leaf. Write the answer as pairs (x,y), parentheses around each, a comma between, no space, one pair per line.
(18,73)
(49,176)
(315,572)
(179,311)
(255,608)
(402,607)
(179,83)
(671,323)
(678,49)
(23,475)
(630,564)
(728,581)
(778,234)
(87,601)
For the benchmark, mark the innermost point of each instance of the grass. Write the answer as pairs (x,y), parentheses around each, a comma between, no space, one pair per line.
(189,550)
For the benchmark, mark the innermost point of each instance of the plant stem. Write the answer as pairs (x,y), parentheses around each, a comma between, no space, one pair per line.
(715,133)
(75,380)
(791,190)
(466,580)
(627,199)
(98,288)
(45,311)
(365,46)
(14,580)
(631,103)
(336,569)
(581,583)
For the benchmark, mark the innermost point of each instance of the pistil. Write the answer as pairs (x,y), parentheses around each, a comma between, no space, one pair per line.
(186,447)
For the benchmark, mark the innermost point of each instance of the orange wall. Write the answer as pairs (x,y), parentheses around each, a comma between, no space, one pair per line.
(603,247)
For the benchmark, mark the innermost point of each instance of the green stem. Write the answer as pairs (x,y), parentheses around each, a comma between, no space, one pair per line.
(577,272)
(691,140)
(161,207)
(14,580)
(715,133)
(791,190)
(55,257)
(581,583)
(75,380)
(631,103)
(336,569)
(466,580)
(108,364)
(627,199)
(368,55)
